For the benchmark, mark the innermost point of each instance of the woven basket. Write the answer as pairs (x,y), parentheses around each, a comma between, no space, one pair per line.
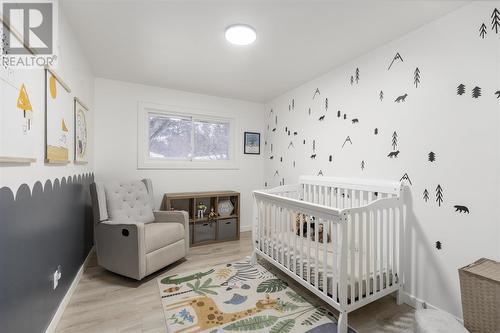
(480,288)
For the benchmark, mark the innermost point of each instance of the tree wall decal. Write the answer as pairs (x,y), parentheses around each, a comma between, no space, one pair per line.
(476,92)
(352,80)
(416,78)
(439,245)
(362,165)
(339,114)
(495,20)
(326,104)
(381,95)
(375,131)
(357,75)
(461,89)
(426,195)
(394,140)
(439,195)
(432,156)
(482,31)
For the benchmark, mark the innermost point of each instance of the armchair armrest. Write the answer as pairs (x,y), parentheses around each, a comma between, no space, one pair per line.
(175,216)
(121,247)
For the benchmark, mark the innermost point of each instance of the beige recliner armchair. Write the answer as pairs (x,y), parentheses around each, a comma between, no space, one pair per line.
(131,238)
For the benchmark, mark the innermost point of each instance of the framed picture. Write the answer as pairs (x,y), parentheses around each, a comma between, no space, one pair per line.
(252,143)
(81,132)
(57,119)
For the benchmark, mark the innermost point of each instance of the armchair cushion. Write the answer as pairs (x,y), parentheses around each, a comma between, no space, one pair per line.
(158,235)
(129,201)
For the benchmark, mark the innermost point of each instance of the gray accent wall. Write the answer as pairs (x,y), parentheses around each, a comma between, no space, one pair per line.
(39,230)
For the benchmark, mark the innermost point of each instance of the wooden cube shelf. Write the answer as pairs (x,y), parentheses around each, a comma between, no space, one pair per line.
(204,230)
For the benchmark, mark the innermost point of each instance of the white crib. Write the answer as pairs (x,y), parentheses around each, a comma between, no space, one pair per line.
(358,258)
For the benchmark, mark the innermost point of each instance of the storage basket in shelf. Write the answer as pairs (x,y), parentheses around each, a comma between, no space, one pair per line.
(480,289)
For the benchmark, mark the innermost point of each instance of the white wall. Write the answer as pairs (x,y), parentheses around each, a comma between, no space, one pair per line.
(116,136)
(75,71)
(461,130)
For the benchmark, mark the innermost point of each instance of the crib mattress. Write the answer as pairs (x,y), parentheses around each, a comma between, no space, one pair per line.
(279,251)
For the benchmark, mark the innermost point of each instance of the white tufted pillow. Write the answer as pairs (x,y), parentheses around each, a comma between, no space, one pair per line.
(128,201)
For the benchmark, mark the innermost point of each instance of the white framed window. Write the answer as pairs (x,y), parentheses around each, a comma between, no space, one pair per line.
(171,137)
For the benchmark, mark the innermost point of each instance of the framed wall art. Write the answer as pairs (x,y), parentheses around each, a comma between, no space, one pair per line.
(58,105)
(81,132)
(252,143)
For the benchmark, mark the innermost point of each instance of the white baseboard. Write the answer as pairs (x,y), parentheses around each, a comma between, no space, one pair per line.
(244,228)
(65,301)
(417,304)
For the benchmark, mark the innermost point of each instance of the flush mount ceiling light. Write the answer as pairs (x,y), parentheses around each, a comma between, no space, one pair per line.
(240,34)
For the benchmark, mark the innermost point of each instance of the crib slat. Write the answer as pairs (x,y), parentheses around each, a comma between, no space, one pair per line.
(387,247)
(335,263)
(301,247)
(381,249)
(316,254)
(326,232)
(368,263)
(393,244)
(308,246)
(375,249)
(359,218)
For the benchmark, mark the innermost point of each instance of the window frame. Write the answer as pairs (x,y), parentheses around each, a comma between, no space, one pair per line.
(144,161)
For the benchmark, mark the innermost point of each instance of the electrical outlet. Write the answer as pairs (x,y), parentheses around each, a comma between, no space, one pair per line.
(57,275)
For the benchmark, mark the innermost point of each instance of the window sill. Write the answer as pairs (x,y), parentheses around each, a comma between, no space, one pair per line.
(185,165)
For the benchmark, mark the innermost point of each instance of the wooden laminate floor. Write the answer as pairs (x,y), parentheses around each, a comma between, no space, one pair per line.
(106,302)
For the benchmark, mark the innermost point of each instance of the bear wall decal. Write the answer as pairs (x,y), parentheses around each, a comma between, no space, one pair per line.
(461,209)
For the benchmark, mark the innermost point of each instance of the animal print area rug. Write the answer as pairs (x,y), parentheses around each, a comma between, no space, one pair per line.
(239,297)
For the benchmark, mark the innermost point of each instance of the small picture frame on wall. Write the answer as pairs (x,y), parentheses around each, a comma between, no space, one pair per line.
(81,132)
(252,143)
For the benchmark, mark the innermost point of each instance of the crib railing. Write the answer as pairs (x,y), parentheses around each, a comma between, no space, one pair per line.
(360,262)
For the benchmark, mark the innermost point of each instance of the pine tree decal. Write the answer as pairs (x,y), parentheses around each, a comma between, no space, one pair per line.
(326,104)
(495,20)
(439,195)
(381,95)
(293,103)
(432,156)
(482,30)
(339,114)
(352,80)
(476,92)
(345,116)
(375,131)
(314,146)
(357,75)
(461,89)
(320,173)
(394,140)
(416,79)
(426,195)
(362,165)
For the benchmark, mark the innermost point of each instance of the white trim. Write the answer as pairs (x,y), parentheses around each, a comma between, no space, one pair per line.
(245,228)
(418,304)
(145,162)
(65,301)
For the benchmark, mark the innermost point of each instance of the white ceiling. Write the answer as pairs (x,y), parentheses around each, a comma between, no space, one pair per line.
(181,45)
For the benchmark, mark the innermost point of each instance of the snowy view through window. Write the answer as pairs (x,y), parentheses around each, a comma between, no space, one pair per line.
(177,138)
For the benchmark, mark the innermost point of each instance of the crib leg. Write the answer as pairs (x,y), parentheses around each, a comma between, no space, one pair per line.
(342,324)
(253,258)
(399,296)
